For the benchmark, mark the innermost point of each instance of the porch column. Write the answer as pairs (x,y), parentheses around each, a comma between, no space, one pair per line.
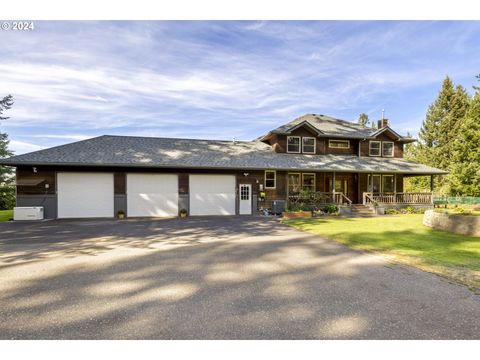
(395,187)
(431,183)
(333,187)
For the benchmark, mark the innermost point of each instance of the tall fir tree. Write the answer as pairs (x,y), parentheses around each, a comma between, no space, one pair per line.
(465,166)
(5,172)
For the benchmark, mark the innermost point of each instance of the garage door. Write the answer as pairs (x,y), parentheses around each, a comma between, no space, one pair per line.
(152,195)
(212,195)
(85,195)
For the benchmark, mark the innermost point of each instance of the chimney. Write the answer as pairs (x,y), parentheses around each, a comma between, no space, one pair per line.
(383,122)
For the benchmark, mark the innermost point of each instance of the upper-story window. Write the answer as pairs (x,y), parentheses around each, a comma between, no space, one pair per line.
(339,144)
(293,144)
(387,148)
(308,145)
(375,148)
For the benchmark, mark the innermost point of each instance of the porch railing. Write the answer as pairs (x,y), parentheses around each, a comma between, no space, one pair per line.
(321,198)
(414,198)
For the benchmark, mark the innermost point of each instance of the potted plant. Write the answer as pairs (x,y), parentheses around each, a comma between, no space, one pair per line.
(120,214)
(183,213)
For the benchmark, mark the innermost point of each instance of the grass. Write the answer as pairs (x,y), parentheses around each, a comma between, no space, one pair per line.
(6,215)
(405,239)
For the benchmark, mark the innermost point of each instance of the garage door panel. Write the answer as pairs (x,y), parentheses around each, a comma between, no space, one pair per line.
(85,195)
(152,195)
(212,195)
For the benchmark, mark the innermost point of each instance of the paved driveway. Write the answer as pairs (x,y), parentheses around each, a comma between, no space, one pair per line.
(214,278)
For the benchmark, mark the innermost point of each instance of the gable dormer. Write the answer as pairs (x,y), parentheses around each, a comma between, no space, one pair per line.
(299,139)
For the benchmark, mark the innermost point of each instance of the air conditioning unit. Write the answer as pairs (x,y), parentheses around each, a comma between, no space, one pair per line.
(278,206)
(28,213)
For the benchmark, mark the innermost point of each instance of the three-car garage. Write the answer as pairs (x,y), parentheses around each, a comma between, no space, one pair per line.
(92,195)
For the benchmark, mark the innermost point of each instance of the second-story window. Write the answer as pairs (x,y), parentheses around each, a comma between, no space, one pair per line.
(387,148)
(375,148)
(308,145)
(293,144)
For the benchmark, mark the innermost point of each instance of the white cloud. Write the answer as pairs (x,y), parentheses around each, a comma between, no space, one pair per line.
(21,147)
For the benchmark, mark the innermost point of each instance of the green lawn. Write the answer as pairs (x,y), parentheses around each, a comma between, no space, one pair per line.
(5,215)
(405,239)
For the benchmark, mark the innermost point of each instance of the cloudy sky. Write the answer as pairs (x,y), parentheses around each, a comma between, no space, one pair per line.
(216,80)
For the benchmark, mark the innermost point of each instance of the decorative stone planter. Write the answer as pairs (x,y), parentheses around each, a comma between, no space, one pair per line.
(297,215)
(460,224)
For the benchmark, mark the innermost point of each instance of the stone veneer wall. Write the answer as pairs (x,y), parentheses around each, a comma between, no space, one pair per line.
(460,224)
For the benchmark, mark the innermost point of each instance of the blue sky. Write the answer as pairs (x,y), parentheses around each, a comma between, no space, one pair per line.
(74,80)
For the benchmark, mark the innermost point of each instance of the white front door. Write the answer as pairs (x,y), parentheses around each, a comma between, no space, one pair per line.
(245,191)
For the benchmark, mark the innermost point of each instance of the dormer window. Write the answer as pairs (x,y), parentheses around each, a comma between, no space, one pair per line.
(308,145)
(375,148)
(293,144)
(387,148)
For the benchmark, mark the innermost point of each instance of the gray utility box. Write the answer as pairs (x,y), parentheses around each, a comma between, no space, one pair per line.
(278,206)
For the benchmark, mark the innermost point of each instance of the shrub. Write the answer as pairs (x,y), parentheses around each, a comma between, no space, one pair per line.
(331,209)
(392,212)
(410,210)
(7,197)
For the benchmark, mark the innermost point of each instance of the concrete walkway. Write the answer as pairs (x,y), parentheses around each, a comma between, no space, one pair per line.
(214,278)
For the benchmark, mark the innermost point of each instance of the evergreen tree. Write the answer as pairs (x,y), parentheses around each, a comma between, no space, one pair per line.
(363,119)
(7,192)
(465,167)
(5,104)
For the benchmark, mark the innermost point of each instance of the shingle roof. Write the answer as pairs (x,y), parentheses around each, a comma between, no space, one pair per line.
(331,127)
(129,151)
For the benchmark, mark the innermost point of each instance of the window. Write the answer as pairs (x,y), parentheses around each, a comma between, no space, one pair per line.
(308,145)
(293,144)
(308,182)
(387,148)
(270,179)
(244,192)
(374,148)
(339,144)
(293,183)
(388,184)
(376,183)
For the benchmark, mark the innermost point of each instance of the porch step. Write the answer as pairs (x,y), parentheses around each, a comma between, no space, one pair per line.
(360,210)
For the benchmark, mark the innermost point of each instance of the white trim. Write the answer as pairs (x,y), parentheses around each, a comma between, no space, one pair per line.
(299,144)
(314,180)
(379,131)
(314,145)
(370,148)
(340,141)
(274,179)
(305,123)
(393,148)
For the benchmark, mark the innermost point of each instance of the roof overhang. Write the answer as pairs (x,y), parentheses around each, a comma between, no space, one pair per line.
(320,168)
(29,182)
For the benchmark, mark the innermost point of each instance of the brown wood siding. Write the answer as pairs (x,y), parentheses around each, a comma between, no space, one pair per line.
(120,183)
(25,173)
(183,183)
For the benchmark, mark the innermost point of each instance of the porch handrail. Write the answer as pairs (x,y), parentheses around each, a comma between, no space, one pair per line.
(398,198)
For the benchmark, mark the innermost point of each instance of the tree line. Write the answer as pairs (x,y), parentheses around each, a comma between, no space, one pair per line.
(7,191)
(449,139)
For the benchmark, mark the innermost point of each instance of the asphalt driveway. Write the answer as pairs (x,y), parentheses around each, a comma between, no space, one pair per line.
(214,278)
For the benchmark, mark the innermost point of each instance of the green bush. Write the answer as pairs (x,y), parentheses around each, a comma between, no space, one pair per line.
(7,198)
(392,212)
(410,210)
(331,209)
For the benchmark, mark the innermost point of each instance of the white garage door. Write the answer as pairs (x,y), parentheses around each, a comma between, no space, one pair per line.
(85,195)
(212,195)
(152,195)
